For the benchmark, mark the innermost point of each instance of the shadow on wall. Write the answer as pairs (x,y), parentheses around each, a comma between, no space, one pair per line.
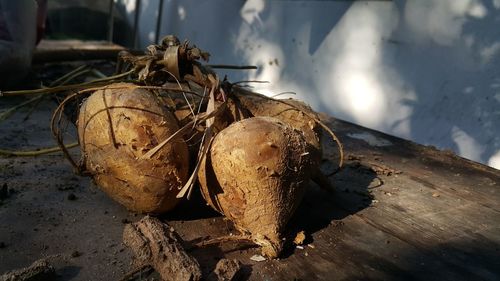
(422,70)
(451,59)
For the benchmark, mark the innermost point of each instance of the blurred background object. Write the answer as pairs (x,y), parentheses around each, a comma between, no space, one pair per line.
(18,33)
(88,20)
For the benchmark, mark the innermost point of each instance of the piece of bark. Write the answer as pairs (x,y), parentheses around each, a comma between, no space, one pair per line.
(155,243)
(225,270)
(40,270)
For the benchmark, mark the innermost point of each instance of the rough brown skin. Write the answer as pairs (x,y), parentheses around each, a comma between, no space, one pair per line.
(255,175)
(286,110)
(293,112)
(156,244)
(139,121)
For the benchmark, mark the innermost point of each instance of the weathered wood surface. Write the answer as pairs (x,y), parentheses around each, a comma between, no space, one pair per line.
(435,217)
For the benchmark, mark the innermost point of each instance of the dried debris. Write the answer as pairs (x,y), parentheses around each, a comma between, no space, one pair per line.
(300,238)
(225,270)
(354,157)
(376,182)
(156,244)
(257,258)
(380,169)
(40,270)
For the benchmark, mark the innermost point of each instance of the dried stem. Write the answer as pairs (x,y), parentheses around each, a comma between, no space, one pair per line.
(32,108)
(59,81)
(183,93)
(222,239)
(199,118)
(225,66)
(50,90)
(36,152)
(55,126)
(7,113)
(70,77)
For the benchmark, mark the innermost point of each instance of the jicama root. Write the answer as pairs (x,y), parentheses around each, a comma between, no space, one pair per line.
(289,111)
(294,113)
(116,127)
(255,175)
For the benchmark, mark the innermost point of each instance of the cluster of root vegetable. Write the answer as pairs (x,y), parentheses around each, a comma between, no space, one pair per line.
(148,144)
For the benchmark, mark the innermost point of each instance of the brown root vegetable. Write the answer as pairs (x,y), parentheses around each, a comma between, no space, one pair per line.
(116,126)
(291,111)
(255,174)
(296,114)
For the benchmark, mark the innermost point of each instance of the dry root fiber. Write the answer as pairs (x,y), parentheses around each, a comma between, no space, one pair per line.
(156,244)
(116,126)
(255,175)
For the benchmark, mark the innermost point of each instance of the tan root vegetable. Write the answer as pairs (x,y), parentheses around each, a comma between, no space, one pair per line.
(290,111)
(255,175)
(118,125)
(296,114)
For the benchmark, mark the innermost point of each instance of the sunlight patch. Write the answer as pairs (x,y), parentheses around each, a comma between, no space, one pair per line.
(181,11)
(495,160)
(370,139)
(468,147)
(251,10)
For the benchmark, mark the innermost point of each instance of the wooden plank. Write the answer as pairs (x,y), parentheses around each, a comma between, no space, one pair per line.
(436,169)
(440,204)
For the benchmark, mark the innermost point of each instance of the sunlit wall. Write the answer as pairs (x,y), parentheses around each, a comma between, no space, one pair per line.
(424,70)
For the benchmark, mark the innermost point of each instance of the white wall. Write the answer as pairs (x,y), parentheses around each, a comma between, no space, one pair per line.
(428,71)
